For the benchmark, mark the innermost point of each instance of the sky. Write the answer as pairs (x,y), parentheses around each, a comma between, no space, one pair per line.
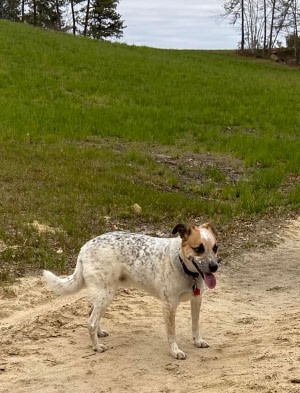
(177,24)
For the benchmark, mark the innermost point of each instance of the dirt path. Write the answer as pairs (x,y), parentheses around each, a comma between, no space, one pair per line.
(251,320)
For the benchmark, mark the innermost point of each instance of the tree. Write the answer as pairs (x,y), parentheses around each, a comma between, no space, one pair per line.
(253,25)
(10,9)
(94,18)
(103,21)
(74,16)
(263,22)
(273,3)
(87,17)
(293,39)
(235,11)
(280,10)
(242,25)
(45,13)
(265,26)
(22,10)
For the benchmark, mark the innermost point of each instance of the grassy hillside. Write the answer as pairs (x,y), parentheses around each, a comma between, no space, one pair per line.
(88,128)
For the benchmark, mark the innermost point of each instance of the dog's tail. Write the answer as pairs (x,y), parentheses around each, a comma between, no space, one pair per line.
(66,285)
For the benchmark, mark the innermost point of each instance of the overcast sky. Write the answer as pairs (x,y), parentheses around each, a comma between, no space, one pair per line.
(177,24)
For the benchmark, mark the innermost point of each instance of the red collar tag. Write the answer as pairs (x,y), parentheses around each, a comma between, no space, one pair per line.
(196,290)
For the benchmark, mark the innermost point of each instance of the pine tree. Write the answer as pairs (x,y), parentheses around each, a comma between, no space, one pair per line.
(104,22)
(98,19)
(10,9)
(45,13)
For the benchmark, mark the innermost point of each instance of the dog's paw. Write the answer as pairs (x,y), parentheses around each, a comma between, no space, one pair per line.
(100,348)
(102,333)
(180,355)
(176,352)
(199,343)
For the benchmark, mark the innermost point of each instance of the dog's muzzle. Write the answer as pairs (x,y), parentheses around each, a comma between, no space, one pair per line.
(206,268)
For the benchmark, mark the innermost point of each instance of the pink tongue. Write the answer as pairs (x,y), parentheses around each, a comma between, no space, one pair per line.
(210,280)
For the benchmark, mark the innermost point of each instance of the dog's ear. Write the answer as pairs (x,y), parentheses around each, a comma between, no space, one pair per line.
(182,229)
(210,226)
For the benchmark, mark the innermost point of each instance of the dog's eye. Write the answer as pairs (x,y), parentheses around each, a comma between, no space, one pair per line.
(200,249)
(215,248)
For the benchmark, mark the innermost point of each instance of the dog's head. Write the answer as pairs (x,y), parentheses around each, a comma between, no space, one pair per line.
(199,250)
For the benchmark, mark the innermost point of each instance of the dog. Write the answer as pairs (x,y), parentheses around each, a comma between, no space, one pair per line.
(172,269)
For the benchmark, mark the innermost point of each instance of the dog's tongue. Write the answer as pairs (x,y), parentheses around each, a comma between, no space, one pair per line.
(210,280)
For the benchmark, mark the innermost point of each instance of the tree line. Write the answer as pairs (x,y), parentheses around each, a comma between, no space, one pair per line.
(98,19)
(266,24)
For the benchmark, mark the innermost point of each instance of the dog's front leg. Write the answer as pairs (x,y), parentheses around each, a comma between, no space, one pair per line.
(195,311)
(169,311)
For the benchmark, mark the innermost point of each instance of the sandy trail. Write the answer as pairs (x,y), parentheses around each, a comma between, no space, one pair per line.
(251,320)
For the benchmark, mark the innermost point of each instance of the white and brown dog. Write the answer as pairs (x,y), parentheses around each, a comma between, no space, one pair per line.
(171,269)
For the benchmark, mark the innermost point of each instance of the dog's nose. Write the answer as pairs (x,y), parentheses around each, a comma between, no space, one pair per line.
(213,267)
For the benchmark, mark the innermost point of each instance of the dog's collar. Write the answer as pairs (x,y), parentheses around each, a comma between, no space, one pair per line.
(186,270)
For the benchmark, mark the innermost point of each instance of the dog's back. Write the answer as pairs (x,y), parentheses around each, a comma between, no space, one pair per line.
(128,259)
(118,259)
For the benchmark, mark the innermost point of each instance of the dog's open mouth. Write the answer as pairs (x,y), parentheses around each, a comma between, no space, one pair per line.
(209,278)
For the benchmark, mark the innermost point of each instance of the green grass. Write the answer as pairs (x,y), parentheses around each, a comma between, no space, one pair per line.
(63,86)
(89,128)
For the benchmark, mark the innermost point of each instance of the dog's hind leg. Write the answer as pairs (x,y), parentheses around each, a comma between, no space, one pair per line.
(100,333)
(195,311)
(101,299)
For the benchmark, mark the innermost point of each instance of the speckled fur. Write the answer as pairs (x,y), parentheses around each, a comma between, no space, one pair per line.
(134,260)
